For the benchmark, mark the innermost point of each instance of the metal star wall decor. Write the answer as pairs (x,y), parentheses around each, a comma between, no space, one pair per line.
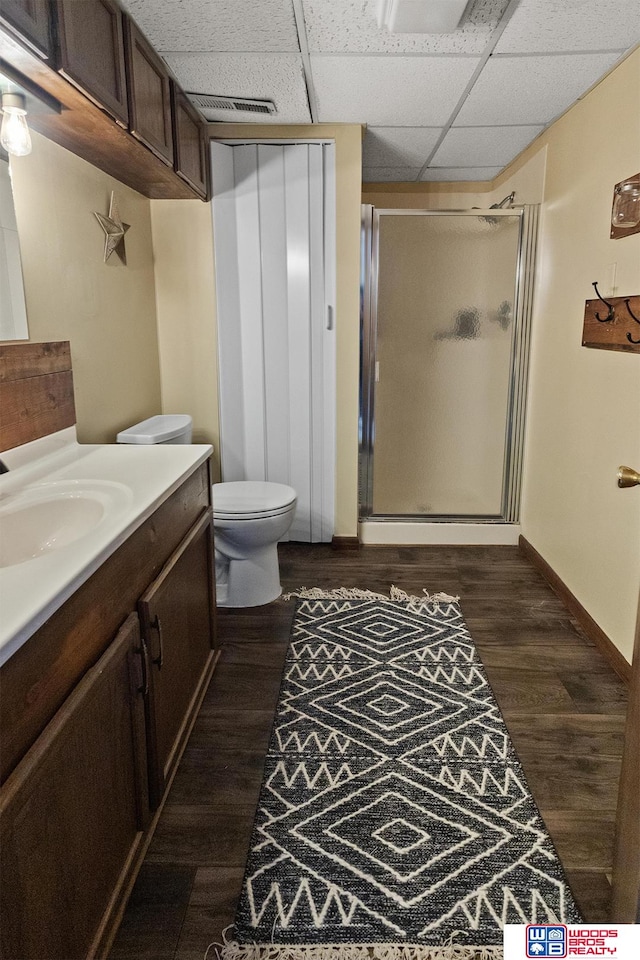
(114,231)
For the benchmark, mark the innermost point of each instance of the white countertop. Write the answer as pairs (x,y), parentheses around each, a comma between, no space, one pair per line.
(141,476)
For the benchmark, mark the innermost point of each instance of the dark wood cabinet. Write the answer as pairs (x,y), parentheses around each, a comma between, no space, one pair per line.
(92,730)
(91,42)
(89,58)
(177,623)
(191,157)
(149,94)
(31,21)
(73,812)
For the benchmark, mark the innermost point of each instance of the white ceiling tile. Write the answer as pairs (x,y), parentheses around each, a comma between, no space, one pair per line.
(398,146)
(388,91)
(482,146)
(549,26)
(454,174)
(350,26)
(539,88)
(390,174)
(278,78)
(207,25)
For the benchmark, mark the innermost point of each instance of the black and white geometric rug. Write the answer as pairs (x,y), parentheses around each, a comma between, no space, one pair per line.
(394,818)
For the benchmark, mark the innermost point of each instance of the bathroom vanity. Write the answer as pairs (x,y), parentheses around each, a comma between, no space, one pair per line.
(100,685)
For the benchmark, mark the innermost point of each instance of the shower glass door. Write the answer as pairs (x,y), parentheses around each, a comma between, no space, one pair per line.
(439,371)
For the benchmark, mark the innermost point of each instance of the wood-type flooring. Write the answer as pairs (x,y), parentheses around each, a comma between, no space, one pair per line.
(564,707)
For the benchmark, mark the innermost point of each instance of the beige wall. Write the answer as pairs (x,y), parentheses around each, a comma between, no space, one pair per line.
(186,307)
(348,141)
(584,411)
(425,196)
(107,311)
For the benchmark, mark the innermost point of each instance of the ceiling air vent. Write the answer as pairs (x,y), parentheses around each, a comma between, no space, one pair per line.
(206,101)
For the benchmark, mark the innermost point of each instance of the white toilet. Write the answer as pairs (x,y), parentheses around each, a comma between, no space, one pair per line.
(249,517)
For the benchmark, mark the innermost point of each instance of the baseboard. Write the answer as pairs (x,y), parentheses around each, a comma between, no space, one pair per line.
(345,543)
(595,633)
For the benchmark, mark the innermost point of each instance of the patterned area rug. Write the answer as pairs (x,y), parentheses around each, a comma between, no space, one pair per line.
(394,818)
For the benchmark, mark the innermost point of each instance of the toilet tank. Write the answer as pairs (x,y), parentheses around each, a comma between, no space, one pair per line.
(166,428)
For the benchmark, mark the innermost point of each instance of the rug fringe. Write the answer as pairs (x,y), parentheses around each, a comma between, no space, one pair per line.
(449,950)
(416,603)
(230,950)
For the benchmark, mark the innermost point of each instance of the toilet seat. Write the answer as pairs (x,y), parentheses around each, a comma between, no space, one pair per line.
(251,499)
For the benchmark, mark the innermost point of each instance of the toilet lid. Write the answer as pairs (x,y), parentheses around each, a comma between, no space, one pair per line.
(251,498)
(156,429)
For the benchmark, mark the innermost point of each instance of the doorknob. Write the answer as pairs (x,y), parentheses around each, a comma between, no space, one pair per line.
(628,477)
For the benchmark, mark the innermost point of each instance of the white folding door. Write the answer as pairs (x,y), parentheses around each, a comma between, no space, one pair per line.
(274,234)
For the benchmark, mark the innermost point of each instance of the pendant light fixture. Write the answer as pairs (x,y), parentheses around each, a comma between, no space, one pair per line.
(14,133)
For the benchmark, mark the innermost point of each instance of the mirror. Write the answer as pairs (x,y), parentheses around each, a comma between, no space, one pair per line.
(13,311)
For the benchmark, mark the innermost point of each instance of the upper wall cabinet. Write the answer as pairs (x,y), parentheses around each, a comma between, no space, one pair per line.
(30,19)
(90,57)
(92,52)
(190,142)
(149,94)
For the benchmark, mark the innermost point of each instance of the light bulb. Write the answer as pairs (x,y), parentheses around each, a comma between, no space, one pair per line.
(14,134)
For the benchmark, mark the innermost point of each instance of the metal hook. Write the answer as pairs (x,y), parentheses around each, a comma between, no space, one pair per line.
(633,317)
(610,315)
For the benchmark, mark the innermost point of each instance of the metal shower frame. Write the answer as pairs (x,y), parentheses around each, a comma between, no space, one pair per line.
(519,359)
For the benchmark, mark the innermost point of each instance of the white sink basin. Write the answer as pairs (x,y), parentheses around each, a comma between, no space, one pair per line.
(49,516)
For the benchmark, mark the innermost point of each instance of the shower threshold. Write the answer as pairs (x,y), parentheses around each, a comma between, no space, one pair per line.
(421,532)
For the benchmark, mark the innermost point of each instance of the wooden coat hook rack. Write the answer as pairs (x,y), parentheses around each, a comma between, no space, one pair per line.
(617,328)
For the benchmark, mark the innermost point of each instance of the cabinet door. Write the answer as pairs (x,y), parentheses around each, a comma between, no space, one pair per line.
(73,810)
(92,52)
(149,94)
(191,145)
(177,621)
(31,21)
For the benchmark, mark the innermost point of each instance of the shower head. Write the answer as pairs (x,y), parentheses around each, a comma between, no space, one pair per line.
(506,201)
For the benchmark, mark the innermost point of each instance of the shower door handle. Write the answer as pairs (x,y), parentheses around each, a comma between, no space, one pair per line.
(627,477)
(329,318)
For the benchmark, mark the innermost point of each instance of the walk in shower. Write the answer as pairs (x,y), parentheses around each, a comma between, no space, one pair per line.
(446,299)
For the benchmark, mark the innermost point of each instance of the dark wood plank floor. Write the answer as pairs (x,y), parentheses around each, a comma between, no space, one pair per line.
(562,703)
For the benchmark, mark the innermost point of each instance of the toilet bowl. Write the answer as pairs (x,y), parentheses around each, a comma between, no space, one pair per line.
(249,517)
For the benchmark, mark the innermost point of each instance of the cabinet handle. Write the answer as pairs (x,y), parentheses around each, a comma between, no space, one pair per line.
(157,626)
(144,655)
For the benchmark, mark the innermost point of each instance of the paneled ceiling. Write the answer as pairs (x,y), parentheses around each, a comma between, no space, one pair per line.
(456,106)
